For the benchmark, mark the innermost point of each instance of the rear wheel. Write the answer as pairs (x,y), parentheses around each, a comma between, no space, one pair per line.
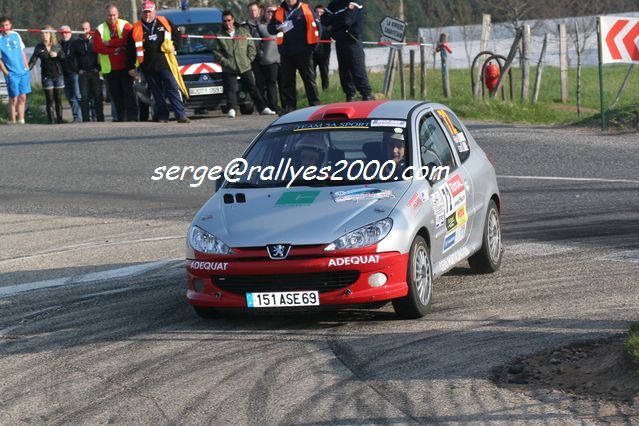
(488,258)
(420,282)
(206,312)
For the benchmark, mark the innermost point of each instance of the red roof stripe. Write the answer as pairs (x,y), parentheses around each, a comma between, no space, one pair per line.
(362,109)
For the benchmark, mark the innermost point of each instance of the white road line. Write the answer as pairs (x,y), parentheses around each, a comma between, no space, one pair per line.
(574,179)
(86,278)
(91,245)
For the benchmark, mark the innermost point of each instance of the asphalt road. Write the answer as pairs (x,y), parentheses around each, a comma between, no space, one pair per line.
(77,203)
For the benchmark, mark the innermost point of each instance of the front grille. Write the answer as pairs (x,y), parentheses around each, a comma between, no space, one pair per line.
(196,77)
(322,282)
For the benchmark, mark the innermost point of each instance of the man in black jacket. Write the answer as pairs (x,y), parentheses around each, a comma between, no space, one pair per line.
(89,72)
(296,26)
(70,71)
(322,54)
(346,21)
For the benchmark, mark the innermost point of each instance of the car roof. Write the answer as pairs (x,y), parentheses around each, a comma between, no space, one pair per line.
(196,15)
(382,109)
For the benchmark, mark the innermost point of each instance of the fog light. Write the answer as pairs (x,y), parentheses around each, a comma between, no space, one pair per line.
(377,279)
(198,285)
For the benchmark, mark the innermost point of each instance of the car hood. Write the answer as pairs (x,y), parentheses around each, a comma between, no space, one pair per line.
(298,216)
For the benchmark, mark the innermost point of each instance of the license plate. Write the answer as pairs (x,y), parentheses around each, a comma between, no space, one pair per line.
(211,90)
(276,300)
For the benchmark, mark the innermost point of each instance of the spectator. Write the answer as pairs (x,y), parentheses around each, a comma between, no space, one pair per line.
(255,13)
(109,41)
(70,72)
(346,23)
(89,74)
(14,66)
(322,54)
(51,55)
(269,61)
(297,32)
(150,42)
(236,56)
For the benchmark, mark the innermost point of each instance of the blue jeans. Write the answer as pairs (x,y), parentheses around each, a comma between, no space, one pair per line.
(72,92)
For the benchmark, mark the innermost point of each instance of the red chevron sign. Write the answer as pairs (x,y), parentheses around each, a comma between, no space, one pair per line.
(619,38)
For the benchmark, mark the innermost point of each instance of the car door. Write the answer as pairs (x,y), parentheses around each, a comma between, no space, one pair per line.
(450,195)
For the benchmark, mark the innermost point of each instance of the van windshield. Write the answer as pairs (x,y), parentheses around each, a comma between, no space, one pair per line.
(190,46)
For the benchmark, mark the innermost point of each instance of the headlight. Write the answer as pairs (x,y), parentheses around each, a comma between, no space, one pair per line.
(202,241)
(363,237)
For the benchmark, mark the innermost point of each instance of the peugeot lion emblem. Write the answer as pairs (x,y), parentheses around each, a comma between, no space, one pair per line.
(278,251)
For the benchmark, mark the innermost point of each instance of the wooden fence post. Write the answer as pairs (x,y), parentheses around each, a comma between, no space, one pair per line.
(525,63)
(485,36)
(540,68)
(508,64)
(422,71)
(563,62)
(402,88)
(443,53)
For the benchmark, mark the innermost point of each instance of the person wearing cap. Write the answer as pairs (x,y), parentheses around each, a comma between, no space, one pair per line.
(396,151)
(145,48)
(70,72)
(14,66)
(235,56)
(109,42)
(346,20)
(297,31)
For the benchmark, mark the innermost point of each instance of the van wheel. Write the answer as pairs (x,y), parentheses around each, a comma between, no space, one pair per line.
(488,258)
(420,282)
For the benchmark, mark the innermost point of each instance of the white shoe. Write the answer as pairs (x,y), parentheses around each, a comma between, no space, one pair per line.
(267,111)
(231,113)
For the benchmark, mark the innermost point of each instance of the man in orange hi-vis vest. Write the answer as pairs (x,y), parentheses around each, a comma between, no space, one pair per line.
(147,46)
(297,29)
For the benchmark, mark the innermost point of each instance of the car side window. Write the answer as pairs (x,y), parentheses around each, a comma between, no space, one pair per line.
(456,132)
(433,145)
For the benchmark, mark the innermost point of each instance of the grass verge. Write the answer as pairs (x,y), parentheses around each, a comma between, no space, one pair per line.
(632,346)
(35,113)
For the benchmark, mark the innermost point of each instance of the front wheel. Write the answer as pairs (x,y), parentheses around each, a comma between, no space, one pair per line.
(488,258)
(420,282)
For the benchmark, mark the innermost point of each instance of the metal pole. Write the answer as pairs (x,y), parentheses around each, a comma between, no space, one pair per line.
(411,75)
(422,72)
(601,82)
(401,73)
(134,11)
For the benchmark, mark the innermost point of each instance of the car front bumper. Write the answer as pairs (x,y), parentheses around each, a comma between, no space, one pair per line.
(213,281)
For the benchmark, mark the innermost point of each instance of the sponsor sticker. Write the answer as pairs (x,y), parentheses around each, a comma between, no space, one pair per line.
(297,198)
(449,241)
(354,260)
(362,194)
(388,123)
(454,237)
(415,202)
(456,185)
(322,125)
(201,265)
(456,257)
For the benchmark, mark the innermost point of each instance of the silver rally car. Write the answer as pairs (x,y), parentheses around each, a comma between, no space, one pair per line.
(347,204)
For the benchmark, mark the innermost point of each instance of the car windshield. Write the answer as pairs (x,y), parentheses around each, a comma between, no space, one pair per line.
(333,153)
(189,46)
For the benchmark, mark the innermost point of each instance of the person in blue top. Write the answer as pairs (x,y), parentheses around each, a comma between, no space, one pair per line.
(14,66)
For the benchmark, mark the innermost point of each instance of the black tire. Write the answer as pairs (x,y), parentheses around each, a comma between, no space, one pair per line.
(420,282)
(247,109)
(207,313)
(488,258)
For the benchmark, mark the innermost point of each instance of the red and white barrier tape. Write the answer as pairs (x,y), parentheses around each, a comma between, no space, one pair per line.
(214,37)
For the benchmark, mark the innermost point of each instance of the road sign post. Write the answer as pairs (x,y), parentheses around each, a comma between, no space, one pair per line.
(392,30)
(617,38)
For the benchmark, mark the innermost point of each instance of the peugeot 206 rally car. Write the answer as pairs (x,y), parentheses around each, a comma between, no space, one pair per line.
(380,223)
